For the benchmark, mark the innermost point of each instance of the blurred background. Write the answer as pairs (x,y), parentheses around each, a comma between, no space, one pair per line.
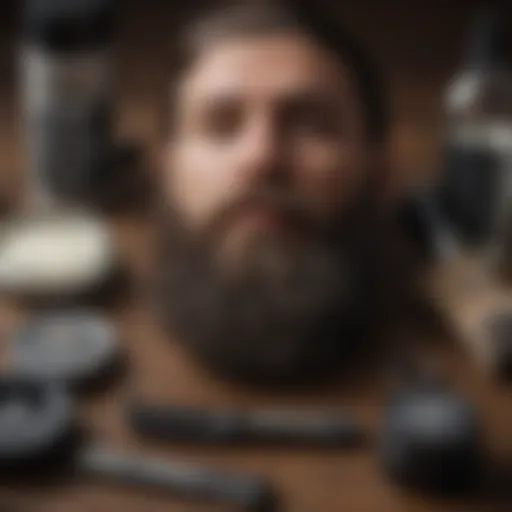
(419,45)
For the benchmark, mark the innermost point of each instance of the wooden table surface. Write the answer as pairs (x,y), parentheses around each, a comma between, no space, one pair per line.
(308,480)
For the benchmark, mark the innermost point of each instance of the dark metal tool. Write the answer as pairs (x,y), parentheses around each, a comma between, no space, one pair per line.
(174,423)
(250,493)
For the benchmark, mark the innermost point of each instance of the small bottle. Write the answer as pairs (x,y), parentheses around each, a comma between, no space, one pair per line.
(66,97)
(476,184)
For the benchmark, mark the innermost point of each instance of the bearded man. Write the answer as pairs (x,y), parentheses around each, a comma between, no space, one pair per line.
(275,262)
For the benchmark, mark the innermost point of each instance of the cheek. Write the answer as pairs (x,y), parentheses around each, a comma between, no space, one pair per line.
(199,181)
(330,175)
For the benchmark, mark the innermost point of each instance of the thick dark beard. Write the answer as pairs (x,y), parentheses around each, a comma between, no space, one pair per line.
(303,321)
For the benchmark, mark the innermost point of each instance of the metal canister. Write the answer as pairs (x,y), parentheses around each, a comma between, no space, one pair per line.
(66,91)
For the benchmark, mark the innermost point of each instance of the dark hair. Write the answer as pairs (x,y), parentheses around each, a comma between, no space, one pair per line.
(269,16)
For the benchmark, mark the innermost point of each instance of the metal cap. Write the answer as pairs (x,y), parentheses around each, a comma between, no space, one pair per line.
(68,25)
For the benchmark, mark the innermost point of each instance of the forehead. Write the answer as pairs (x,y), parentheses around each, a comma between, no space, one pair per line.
(265,66)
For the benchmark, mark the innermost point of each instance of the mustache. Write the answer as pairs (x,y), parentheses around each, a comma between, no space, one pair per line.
(287,204)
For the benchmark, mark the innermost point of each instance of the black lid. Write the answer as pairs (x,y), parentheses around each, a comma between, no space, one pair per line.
(486,45)
(68,25)
(432,440)
(36,422)
(70,346)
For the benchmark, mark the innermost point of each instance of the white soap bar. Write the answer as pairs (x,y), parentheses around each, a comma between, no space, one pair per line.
(54,255)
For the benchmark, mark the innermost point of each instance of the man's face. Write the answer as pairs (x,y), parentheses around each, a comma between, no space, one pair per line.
(267,180)
(271,114)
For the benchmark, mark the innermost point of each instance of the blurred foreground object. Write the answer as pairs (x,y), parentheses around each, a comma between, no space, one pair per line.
(55,256)
(39,437)
(35,422)
(476,184)
(74,347)
(431,437)
(479,310)
(249,493)
(175,423)
(68,101)
(462,224)
(474,304)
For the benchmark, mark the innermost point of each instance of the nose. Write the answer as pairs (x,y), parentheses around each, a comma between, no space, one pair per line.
(261,153)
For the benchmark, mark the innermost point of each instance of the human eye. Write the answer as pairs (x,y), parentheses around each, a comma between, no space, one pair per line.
(312,116)
(221,120)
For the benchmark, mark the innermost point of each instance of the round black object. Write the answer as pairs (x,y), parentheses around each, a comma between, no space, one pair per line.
(431,439)
(35,421)
(68,346)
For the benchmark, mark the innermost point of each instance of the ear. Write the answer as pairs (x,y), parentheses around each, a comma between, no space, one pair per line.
(165,163)
(160,168)
(164,155)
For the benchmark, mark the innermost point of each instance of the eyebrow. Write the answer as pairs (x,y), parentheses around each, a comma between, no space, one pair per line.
(320,96)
